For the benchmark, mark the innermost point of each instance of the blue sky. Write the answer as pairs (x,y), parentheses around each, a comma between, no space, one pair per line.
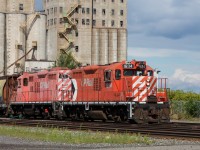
(166,33)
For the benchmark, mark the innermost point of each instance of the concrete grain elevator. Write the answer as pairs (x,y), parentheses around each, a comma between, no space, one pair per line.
(94,30)
(21,29)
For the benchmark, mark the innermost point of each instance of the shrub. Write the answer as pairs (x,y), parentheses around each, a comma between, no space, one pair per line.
(67,60)
(182,95)
(192,108)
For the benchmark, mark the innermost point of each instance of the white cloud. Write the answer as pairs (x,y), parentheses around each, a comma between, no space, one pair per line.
(185,80)
(187,77)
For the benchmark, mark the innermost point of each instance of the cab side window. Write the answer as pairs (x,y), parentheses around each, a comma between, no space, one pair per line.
(25,82)
(117,74)
(150,73)
(107,76)
(19,83)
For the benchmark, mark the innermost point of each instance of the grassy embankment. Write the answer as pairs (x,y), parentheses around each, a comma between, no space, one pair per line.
(72,137)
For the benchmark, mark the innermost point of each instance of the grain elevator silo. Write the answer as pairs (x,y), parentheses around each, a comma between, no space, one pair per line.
(36,34)
(2,41)
(103,46)
(112,45)
(22,30)
(95,45)
(15,42)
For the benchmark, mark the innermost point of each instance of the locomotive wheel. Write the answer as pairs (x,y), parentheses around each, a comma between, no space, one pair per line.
(117,119)
(140,116)
(164,115)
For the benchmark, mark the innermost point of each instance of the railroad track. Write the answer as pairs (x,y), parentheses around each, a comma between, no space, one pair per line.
(174,129)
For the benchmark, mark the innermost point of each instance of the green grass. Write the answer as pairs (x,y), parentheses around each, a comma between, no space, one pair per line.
(72,137)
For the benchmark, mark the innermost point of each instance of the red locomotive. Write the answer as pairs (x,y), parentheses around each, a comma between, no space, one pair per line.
(120,91)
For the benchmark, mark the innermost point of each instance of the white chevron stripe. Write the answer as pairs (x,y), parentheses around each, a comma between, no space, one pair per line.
(136,90)
(59,95)
(151,85)
(144,99)
(67,87)
(64,87)
(146,90)
(62,83)
(143,84)
(134,77)
(139,80)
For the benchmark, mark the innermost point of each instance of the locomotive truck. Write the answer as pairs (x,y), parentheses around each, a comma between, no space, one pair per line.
(121,91)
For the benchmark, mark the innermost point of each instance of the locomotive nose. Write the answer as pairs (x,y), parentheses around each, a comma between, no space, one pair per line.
(140,87)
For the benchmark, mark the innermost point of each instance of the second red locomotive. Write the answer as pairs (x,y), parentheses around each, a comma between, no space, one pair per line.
(120,91)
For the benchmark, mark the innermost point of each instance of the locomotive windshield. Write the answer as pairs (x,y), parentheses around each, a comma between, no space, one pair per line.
(131,72)
(138,72)
(63,76)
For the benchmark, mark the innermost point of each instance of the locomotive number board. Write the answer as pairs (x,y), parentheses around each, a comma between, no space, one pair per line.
(142,66)
(128,66)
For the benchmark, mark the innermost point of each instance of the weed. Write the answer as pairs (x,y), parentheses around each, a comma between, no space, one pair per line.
(73,137)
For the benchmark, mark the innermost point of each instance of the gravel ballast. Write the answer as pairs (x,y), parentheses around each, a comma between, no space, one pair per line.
(158,144)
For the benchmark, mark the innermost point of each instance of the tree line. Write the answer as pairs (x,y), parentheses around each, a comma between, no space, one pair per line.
(183,95)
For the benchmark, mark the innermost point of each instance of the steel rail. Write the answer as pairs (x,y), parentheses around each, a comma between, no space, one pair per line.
(184,130)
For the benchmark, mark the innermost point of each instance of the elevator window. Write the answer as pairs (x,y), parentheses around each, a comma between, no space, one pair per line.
(21,7)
